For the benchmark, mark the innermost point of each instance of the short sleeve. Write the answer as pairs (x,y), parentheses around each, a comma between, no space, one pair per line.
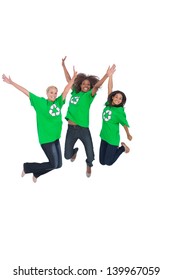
(122,117)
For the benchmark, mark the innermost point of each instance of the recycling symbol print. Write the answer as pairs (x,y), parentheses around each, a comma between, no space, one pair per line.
(74,100)
(107,115)
(54,110)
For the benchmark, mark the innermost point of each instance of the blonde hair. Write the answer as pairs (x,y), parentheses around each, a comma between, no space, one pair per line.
(50,88)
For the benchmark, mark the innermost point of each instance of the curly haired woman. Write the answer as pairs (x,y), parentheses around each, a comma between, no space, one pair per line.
(83,93)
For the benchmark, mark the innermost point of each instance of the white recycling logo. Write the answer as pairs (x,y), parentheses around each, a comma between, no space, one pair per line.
(107,115)
(74,100)
(54,110)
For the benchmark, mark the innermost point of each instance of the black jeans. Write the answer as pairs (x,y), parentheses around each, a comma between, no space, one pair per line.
(108,154)
(53,153)
(75,132)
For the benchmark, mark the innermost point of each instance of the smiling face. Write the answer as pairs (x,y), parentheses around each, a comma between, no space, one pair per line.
(117,99)
(85,86)
(52,93)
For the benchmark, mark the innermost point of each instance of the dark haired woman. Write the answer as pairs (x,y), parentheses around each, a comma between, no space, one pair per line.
(113,115)
(83,93)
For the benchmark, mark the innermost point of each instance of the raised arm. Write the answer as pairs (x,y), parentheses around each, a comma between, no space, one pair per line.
(67,75)
(110,85)
(9,81)
(109,73)
(69,85)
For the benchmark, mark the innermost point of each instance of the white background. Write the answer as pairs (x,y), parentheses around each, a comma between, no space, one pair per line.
(122,215)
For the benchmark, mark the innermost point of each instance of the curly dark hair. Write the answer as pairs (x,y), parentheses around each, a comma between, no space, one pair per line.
(112,94)
(82,77)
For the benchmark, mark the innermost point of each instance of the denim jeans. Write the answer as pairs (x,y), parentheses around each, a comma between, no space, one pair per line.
(53,153)
(108,154)
(75,132)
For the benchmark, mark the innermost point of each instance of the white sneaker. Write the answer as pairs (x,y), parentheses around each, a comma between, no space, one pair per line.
(23,173)
(74,156)
(88,171)
(34,179)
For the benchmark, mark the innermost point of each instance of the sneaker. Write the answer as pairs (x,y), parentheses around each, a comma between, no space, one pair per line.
(88,171)
(34,179)
(74,156)
(127,150)
(23,173)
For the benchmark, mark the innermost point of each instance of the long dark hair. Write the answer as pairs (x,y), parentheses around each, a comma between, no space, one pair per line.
(82,77)
(112,94)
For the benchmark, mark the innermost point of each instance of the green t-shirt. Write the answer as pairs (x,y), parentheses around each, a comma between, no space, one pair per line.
(111,118)
(79,106)
(49,117)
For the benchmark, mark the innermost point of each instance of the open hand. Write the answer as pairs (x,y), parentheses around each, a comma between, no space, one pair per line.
(63,61)
(6,79)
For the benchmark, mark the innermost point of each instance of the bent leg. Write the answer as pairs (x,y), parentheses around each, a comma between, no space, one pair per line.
(71,138)
(102,151)
(59,154)
(112,153)
(53,152)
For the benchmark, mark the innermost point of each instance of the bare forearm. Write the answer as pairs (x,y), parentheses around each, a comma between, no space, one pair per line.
(22,89)
(109,73)
(99,84)
(110,84)
(127,132)
(126,129)
(66,73)
(69,85)
(9,81)
(67,88)
(101,81)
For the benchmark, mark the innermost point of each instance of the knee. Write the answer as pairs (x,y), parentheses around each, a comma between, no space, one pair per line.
(59,165)
(102,162)
(67,156)
(107,162)
(55,165)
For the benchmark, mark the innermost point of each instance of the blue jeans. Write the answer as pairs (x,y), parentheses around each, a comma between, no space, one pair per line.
(75,132)
(53,153)
(108,154)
